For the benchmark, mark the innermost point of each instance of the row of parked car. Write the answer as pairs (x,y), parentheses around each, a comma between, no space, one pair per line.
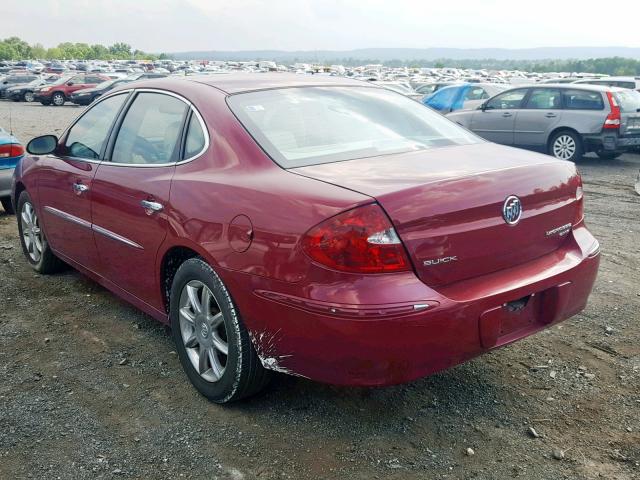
(79,88)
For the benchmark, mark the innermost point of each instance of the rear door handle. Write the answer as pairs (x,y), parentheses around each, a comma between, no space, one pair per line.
(150,206)
(507,114)
(550,115)
(80,188)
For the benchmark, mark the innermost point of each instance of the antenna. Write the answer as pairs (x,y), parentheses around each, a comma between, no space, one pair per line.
(10,120)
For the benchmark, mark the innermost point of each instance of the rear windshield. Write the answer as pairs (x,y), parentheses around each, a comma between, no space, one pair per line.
(629,101)
(313,125)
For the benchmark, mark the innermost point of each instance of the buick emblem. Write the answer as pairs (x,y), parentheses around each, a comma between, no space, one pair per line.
(512,210)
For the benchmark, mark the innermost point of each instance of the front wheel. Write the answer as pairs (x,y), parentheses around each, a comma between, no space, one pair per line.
(28,97)
(566,145)
(211,340)
(58,99)
(34,243)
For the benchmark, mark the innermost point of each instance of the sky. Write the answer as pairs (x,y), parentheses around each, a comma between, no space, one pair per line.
(190,25)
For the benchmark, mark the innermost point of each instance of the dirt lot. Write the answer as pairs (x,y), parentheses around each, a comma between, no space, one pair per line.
(91,388)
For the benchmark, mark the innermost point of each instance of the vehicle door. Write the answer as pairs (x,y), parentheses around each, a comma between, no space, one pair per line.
(65,180)
(131,192)
(76,82)
(541,114)
(496,121)
(584,110)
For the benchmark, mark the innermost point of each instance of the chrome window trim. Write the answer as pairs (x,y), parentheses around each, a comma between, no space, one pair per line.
(191,106)
(77,119)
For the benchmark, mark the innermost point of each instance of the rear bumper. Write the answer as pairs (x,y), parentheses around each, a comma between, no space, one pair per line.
(611,142)
(391,343)
(6,175)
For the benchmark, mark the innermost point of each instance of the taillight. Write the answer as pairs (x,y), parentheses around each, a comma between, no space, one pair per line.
(579,205)
(614,118)
(361,240)
(10,150)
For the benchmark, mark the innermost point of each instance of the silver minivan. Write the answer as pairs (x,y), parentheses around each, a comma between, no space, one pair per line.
(564,120)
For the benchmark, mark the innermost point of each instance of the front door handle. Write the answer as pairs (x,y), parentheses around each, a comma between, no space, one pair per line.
(507,114)
(550,115)
(150,206)
(80,188)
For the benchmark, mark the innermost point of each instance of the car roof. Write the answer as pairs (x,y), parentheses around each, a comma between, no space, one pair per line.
(574,86)
(246,82)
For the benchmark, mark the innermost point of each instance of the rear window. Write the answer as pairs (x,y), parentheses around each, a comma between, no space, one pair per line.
(313,125)
(629,101)
(582,100)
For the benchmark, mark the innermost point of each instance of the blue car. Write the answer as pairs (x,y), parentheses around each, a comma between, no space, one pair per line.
(462,96)
(11,151)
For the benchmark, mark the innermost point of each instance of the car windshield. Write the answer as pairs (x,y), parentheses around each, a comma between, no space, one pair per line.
(629,101)
(313,125)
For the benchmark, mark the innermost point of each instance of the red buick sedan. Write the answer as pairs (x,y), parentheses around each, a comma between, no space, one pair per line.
(317,226)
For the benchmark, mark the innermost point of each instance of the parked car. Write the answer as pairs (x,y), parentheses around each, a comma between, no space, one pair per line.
(24,92)
(311,225)
(632,83)
(12,80)
(462,96)
(11,151)
(59,92)
(88,95)
(564,120)
(401,88)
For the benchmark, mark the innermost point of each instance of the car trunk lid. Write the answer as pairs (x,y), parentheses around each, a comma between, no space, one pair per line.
(446,205)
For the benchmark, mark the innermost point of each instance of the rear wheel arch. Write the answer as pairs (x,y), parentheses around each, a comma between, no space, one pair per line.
(557,130)
(19,189)
(171,261)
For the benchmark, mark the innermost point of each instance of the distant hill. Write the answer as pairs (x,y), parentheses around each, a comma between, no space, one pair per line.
(408,54)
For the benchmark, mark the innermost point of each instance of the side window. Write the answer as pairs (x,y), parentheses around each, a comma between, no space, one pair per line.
(507,100)
(86,138)
(195,138)
(93,79)
(77,79)
(544,99)
(475,93)
(582,100)
(150,130)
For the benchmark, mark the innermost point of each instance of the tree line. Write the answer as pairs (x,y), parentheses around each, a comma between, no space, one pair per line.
(14,48)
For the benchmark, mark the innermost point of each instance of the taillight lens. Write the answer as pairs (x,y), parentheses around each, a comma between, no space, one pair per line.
(10,150)
(579,205)
(361,240)
(614,118)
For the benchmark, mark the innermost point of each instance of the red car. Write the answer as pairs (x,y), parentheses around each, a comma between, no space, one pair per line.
(316,226)
(59,92)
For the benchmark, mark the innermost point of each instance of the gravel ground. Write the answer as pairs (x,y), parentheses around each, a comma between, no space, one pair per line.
(92,388)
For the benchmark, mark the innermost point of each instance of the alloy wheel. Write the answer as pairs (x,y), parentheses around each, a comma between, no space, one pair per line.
(203,331)
(564,147)
(31,233)
(28,97)
(58,99)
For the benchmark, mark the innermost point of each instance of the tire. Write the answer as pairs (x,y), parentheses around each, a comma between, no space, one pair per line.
(201,338)
(43,261)
(566,145)
(58,99)
(28,97)
(6,204)
(606,155)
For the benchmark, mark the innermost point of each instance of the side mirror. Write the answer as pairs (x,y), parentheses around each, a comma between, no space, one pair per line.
(69,83)
(43,145)
(483,106)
